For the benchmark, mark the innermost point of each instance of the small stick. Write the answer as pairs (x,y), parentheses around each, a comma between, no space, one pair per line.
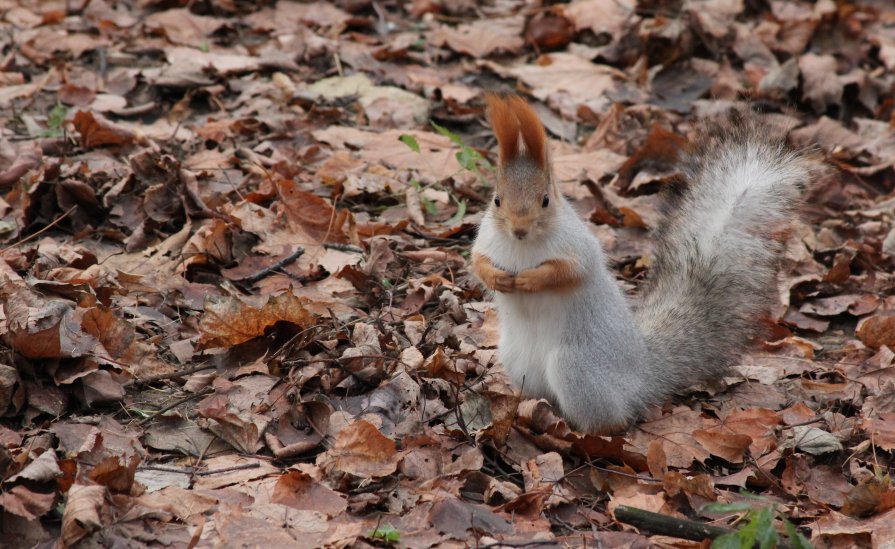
(274,267)
(665,525)
(254,465)
(668,526)
(343,247)
(174,404)
(171,375)
(38,233)
(192,470)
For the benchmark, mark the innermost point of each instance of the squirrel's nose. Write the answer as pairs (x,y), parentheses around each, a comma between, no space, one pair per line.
(520,233)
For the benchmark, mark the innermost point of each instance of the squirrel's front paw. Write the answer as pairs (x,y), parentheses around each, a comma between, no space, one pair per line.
(502,281)
(529,281)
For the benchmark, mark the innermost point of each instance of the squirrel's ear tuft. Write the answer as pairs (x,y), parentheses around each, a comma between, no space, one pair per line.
(532,130)
(505,125)
(512,117)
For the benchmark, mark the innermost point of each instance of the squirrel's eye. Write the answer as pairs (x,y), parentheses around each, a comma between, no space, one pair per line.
(497,201)
(545,201)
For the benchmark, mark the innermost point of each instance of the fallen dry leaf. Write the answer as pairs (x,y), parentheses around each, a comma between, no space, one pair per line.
(83,506)
(877,331)
(361,450)
(229,321)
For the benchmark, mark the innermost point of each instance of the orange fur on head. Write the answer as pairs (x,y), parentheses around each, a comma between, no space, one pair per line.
(511,117)
(505,125)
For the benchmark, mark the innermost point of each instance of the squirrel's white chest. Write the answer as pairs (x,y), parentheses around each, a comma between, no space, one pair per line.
(531,330)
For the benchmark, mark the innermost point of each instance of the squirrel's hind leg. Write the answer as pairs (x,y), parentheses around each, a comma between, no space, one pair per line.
(590,402)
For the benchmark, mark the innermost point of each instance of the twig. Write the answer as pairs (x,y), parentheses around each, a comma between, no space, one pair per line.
(171,375)
(343,247)
(665,525)
(192,470)
(522,544)
(668,526)
(803,423)
(440,239)
(274,267)
(254,465)
(174,404)
(38,233)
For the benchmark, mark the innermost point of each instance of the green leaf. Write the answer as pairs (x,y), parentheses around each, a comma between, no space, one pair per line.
(7,227)
(410,141)
(461,211)
(764,527)
(726,508)
(729,541)
(431,208)
(466,158)
(386,533)
(796,539)
(387,284)
(447,133)
(55,120)
(760,528)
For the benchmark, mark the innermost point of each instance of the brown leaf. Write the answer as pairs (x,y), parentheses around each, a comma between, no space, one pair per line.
(853,532)
(41,327)
(730,447)
(43,469)
(549,30)
(881,430)
(82,512)
(756,423)
(24,502)
(821,86)
(27,158)
(228,321)
(299,491)
(241,429)
(872,497)
(12,392)
(311,214)
(361,450)
(544,470)
(115,474)
(797,413)
(659,152)
(182,27)
(482,38)
(700,485)
(566,81)
(876,331)
(96,131)
(121,343)
(656,459)
(455,517)
(675,433)
(610,17)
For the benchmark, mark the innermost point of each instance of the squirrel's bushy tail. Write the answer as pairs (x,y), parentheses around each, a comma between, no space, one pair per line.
(714,272)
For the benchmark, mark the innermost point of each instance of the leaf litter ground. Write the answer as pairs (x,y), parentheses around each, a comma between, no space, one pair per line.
(236,304)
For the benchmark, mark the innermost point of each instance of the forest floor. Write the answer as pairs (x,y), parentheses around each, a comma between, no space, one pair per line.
(236,303)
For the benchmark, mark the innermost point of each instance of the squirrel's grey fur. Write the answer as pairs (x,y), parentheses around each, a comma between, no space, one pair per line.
(602,361)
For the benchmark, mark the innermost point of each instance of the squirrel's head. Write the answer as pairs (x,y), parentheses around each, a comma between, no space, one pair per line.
(525,197)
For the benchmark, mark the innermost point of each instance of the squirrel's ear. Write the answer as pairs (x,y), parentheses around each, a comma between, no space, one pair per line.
(505,125)
(532,130)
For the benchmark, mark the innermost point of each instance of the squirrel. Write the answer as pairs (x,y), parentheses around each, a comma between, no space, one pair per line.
(567,332)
